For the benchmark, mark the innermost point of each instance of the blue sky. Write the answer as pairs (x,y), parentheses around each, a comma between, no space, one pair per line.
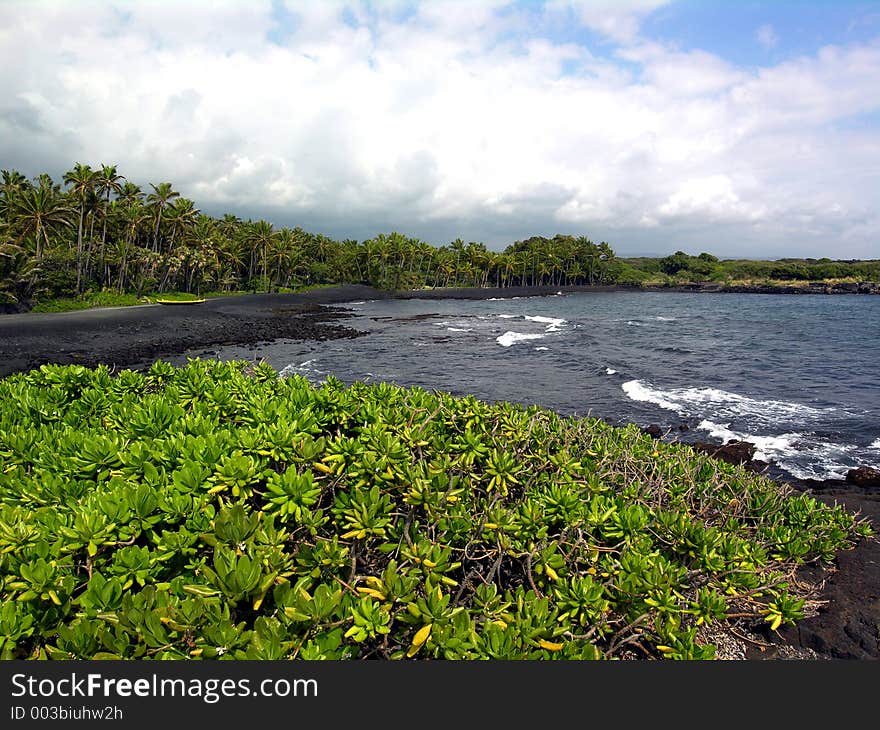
(739,128)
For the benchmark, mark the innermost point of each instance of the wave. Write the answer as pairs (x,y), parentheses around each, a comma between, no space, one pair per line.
(541,349)
(553,324)
(610,371)
(800,454)
(776,428)
(511,338)
(305,369)
(875,444)
(634,323)
(720,403)
(768,448)
(458,329)
(660,318)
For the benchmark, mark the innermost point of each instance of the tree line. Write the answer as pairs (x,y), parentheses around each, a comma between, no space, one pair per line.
(98,231)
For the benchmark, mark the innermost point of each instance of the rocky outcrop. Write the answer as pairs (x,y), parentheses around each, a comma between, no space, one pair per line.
(733,452)
(864,477)
(654,431)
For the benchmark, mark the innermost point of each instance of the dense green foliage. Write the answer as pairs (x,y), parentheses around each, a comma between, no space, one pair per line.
(218,510)
(103,233)
(683,268)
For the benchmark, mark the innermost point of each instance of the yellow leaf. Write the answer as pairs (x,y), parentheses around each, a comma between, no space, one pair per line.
(371,592)
(419,639)
(549,645)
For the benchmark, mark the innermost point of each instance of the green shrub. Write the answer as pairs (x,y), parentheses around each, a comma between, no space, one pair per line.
(220,511)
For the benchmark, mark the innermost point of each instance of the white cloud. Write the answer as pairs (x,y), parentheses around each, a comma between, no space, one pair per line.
(766,36)
(618,19)
(444,122)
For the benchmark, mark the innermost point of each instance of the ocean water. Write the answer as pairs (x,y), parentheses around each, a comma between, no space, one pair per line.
(799,376)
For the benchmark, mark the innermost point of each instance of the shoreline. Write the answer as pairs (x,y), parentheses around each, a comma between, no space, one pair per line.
(845,626)
(862,288)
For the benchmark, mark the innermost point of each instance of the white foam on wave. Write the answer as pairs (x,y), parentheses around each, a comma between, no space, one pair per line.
(458,329)
(767,448)
(800,454)
(511,338)
(660,318)
(695,401)
(636,390)
(875,444)
(305,369)
(633,323)
(553,324)
(610,371)
(541,349)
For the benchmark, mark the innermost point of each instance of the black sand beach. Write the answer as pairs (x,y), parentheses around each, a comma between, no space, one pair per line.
(846,624)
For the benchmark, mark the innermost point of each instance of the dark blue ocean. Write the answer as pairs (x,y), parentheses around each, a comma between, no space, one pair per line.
(797,375)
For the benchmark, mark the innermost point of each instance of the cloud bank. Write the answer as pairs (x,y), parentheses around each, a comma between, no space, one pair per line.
(490,121)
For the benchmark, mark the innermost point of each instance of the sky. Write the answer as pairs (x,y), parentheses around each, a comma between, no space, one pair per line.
(739,128)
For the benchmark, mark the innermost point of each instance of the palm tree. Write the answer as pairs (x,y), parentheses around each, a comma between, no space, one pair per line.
(133,214)
(129,193)
(39,210)
(283,250)
(82,180)
(182,214)
(108,181)
(158,199)
(13,182)
(203,250)
(262,235)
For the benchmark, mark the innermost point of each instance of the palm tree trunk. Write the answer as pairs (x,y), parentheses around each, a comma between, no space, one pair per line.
(79,245)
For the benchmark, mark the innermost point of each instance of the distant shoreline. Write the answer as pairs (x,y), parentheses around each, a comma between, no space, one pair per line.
(132,335)
(698,288)
(339,294)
